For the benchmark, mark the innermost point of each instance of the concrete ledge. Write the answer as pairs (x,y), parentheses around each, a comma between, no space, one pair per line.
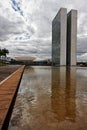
(8,92)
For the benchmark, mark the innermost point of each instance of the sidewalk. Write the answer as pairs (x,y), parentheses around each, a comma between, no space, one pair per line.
(8,92)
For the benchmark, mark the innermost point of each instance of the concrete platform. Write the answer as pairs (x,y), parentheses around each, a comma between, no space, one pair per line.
(8,93)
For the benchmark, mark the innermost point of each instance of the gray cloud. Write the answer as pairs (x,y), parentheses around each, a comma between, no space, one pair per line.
(7,27)
(30,33)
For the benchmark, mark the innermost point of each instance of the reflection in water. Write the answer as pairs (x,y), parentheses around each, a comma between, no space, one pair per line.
(51,99)
(71,93)
(63,93)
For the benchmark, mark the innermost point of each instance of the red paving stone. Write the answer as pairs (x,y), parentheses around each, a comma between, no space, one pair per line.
(2,115)
(6,97)
(4,104)
(7,92)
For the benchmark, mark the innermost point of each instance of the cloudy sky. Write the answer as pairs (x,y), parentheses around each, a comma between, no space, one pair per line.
(26,25)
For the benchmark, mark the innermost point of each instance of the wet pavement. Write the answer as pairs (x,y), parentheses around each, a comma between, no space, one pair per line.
(51,98)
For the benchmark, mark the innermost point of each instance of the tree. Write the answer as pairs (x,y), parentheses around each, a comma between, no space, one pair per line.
(0,52)
(4,52)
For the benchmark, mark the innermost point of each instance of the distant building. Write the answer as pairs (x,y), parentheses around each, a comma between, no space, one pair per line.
(25,58)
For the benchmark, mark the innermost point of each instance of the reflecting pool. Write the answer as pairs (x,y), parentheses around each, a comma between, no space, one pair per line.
(51,98)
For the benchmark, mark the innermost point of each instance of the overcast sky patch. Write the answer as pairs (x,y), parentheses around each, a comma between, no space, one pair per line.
(26,26)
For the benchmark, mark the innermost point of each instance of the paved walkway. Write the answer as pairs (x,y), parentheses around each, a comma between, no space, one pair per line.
(8,89)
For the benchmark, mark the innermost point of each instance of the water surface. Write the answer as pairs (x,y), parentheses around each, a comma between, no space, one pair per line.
(51,98)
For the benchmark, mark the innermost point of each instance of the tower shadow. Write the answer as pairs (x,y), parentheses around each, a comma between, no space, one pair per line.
(63,93)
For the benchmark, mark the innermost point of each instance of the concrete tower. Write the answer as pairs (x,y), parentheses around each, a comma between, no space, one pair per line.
(59,30)
(71,37)
(64,38)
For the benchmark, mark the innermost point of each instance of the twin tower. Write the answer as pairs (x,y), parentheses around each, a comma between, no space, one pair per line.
(64,38)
